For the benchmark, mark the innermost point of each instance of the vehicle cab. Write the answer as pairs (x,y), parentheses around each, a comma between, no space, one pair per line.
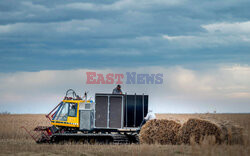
(67,113)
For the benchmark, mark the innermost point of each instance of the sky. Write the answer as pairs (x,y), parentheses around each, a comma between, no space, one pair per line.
(200,47)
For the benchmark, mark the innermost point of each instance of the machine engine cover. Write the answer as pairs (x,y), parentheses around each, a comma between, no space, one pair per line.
(86,119)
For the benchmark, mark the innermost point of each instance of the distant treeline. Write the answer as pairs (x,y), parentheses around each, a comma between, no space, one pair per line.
(5,112)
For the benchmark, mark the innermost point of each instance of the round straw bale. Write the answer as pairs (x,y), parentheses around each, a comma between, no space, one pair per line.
(231,133)
(199,129)
(235,135)
(160,131)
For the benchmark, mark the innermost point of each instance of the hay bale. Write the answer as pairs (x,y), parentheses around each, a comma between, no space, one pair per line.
(199,129)
(160,131)
(235,135)
(167,131)
(231,133)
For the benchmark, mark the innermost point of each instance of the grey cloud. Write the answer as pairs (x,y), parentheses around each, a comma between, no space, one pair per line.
(46,31)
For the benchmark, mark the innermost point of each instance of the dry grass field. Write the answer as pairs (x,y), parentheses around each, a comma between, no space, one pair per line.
(15,141)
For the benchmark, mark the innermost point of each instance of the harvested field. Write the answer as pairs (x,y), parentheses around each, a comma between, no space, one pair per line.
(12,123)
(14,141)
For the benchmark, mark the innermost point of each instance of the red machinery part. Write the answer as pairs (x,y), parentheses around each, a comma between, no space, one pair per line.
(48,115)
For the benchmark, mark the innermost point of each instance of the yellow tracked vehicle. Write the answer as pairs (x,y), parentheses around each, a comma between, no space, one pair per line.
(111,118)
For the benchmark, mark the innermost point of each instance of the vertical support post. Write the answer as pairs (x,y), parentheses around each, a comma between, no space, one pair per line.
(108,112)
(126,98)
(143,106)
(122,114)
(94,114)
(135,111)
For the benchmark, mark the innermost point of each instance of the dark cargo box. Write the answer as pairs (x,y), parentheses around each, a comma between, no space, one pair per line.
(119,111)
(136,108)
(109,111)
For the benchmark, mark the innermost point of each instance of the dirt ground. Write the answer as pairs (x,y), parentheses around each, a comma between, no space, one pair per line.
(15,141)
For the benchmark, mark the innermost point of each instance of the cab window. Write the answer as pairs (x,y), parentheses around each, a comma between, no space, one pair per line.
(62,114)
(72,109)
(67,109)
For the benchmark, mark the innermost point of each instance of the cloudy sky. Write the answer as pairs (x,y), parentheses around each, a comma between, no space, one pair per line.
(201,47)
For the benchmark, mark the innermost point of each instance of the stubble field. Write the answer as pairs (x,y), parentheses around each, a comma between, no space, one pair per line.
(15,141)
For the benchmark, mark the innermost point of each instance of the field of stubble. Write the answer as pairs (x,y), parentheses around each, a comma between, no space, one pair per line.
(15,141)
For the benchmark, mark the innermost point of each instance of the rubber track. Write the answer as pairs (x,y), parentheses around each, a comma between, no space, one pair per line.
(113,138)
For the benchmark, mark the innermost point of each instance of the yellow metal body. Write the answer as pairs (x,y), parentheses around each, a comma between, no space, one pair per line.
(71,121)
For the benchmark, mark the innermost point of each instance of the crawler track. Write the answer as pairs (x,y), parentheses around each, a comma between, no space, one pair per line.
(92,138)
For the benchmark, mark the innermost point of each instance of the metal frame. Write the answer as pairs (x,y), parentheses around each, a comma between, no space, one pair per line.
(94,115)
(126,111)
(48,115)
(38,132)
(122,116)
(108,110)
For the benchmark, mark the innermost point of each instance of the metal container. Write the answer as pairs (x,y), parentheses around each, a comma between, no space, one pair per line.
(115,111)
(109,111)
